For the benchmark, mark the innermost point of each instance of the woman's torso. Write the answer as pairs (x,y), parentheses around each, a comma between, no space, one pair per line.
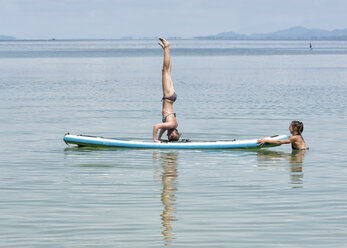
(168,113)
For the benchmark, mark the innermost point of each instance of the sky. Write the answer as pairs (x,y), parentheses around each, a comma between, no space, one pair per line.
(112,19)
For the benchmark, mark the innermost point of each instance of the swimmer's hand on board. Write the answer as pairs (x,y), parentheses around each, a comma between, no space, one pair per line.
(261,141)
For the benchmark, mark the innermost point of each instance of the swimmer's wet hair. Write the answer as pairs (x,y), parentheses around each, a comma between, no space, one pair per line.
(298,126)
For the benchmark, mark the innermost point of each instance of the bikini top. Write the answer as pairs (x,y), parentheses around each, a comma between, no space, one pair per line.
(164,117)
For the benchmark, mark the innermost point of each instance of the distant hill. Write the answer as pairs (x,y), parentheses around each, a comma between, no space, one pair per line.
(290,33)
(5,37)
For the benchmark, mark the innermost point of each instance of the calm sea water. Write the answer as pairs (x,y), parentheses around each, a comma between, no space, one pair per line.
(52,195)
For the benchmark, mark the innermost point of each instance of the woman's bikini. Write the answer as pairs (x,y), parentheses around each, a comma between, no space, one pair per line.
(303,149)
(171,98)
(164,117)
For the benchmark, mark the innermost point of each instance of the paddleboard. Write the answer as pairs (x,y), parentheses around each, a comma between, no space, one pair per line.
(95,141)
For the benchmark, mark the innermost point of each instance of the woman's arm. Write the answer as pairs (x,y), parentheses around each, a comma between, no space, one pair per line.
(277,142)
(155,131)
(163,126)
(162,131)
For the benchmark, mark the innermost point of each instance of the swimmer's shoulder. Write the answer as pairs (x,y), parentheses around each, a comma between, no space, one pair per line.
(299,143)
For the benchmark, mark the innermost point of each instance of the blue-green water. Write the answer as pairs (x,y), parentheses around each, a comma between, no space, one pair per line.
(52,195)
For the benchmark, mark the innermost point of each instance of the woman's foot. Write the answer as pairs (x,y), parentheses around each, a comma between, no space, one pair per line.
(163,43)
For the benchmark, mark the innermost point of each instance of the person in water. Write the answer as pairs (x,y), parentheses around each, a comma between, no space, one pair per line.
(169,122)
(298,143)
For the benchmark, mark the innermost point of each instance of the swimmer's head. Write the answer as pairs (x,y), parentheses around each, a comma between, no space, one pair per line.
(296,127)
(173,134)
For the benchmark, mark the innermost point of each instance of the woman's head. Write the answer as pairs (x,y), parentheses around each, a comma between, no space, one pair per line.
(296,127)
(173,134)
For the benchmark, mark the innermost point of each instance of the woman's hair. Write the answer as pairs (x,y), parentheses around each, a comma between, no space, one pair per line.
(298,126)
(173,138)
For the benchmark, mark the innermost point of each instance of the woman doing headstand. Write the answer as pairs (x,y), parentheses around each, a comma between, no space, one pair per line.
(169,122)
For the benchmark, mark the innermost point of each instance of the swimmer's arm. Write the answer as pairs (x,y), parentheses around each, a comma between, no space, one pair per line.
(276,142)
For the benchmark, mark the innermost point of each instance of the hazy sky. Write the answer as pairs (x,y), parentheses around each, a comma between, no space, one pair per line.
(31,19)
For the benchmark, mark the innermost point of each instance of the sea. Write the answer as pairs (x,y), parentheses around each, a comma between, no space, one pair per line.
(55,195)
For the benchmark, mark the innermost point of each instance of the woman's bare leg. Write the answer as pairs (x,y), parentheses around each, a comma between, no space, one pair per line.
(167,84)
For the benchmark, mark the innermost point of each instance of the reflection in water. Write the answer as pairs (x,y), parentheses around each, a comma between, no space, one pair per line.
(296,159)
(167,163)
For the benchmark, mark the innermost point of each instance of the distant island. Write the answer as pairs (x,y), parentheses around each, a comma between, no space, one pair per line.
(294,33)
(5,37)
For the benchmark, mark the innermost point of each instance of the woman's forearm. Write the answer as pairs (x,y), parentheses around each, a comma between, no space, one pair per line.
(277,142)
(161,133)
(155,131)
